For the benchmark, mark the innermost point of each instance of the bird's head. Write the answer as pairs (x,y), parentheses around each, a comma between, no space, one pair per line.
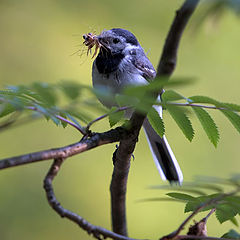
(117,40)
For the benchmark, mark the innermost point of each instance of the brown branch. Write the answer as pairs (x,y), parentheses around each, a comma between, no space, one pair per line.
(95,231)
(168,58)
(126,148)
(118,185)
(122,162)
(85,144)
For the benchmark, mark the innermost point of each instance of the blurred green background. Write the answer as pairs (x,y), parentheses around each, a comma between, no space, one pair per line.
(37,39)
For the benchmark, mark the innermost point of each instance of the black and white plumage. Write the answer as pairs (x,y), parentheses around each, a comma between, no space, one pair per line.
(122,62)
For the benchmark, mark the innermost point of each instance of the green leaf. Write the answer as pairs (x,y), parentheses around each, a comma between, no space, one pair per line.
(160,199)
(105,94)
(208,124)
(233,106)
(233,117)
(62,114)
(181,196)
(171,95)
(46,93)
(55,120)
(74,120)
(156,121)
(232,234)
(225,212)
(123,100)
(203,99)
(234,221)
(183,188)
(44,111)
(200,201)
(84,117)
(155,86)
(234,202)
(71,89)
(6,109)
(145,104)
(115,116)
(182,121)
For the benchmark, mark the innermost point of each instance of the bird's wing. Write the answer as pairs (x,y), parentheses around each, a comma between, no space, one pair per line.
(142,63)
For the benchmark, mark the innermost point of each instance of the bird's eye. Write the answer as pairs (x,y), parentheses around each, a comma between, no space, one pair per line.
(116,40)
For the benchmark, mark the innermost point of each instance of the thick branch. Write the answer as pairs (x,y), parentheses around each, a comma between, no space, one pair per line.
(118,186)
(122,164)
(126,148)
(85,144)
(168,59)
(97,232)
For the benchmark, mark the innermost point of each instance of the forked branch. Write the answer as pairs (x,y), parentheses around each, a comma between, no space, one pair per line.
(122,164)
(96,231)
(127,138)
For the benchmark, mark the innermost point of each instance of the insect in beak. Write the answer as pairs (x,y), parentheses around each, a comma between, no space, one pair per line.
(91,40)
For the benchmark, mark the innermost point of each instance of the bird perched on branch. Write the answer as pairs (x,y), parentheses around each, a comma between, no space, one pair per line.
(121,62)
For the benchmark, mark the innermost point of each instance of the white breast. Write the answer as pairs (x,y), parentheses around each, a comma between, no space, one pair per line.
(115,81)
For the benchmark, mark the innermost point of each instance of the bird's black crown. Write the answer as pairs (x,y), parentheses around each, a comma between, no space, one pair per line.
(130,38)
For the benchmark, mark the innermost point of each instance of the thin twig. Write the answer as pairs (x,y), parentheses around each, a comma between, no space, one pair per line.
(78,127)
(195,105)
(209,214)
(85,144)
(96,231)
(104,116)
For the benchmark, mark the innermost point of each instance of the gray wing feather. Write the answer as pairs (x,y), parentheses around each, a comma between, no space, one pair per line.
(143,64)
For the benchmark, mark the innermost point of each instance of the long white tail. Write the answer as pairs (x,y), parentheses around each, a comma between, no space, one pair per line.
(163,156)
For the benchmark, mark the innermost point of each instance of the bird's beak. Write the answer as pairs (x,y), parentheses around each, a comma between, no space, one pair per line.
(104,43)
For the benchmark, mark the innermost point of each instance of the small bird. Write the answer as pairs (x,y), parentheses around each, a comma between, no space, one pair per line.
(121,62)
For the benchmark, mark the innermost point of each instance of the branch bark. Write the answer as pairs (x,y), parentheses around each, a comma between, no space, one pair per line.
(96,231)
(85,144)
(168,60)
(127,138)
(118,187)
(166,67)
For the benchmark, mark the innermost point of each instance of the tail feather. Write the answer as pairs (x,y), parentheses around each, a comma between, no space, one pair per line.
(163,156)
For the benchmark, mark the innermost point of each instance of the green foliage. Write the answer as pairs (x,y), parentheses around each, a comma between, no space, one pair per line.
(46,99)
(225,212)
(180,196)
(208,124)
(156,121)
(232,234)
(234,118)
(182,121)
(115,116)
(225,203)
